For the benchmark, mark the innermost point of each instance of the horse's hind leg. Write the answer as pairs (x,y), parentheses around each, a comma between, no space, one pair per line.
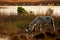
(52,23)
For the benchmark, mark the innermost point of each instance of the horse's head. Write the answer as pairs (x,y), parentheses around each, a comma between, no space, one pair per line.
(27,30)
(32,24)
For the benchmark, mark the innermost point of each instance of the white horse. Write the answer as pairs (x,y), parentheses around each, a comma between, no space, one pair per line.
(39,20)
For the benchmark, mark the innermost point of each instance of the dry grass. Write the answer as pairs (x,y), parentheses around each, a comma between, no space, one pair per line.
(14,26)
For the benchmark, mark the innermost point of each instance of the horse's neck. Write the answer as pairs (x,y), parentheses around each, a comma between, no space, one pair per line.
(32,24)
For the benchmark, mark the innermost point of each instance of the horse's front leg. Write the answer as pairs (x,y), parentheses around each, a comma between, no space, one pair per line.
(33,28)
(41,28)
